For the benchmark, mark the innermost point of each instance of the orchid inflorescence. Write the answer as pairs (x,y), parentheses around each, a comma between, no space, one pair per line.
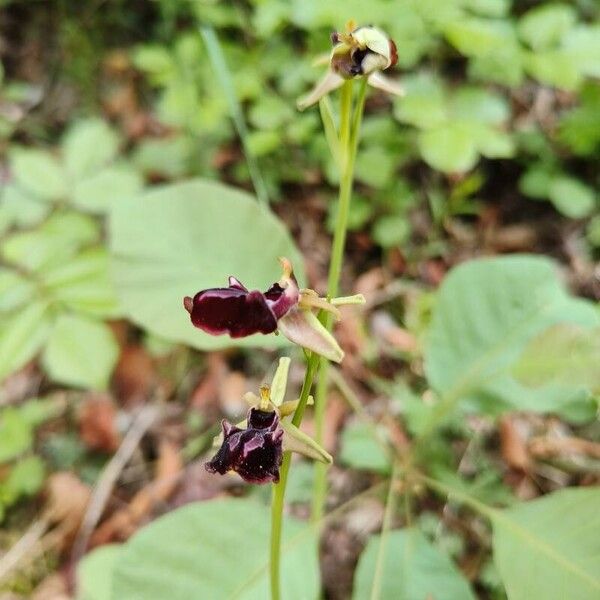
(254,448)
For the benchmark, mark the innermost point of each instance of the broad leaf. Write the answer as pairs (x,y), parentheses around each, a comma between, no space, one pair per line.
(81,352)
(176,240)
(487,310)
(412,569)
(361,449)
(550,548)
(215,550)
(95,573)
(563,354)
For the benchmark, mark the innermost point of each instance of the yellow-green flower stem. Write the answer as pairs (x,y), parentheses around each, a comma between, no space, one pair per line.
(349,134)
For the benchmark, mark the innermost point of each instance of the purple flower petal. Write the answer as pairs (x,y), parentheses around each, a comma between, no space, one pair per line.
(254,453)
(238,312)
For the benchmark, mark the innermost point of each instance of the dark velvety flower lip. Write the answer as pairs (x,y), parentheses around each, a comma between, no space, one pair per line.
(255,453)
(239,312)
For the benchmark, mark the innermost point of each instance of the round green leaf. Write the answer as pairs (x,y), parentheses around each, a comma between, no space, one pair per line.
(81,352)
(215,550)
(88,146)
(550,548)
(413,568)
(450,148)
(39,173)
(178,239)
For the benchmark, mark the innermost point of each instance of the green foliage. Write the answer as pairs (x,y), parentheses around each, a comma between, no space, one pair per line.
(95,573)
(550,548)
(412,567)
(564,354)
(179,239)
(22,475)
(456,128)
(361,449)
(212,550)
(56,272)
(486,313)
(56,268)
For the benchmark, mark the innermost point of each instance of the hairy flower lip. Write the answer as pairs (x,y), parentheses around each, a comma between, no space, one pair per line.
(238,312)
(254,453)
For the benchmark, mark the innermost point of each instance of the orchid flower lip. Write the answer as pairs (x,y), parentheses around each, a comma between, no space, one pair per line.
(254,453)
(239,312)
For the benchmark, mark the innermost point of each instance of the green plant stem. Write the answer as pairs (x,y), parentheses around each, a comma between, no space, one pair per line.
(349,129)
(279,488)
(349,136)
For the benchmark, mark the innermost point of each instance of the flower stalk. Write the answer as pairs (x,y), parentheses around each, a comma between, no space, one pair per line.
(350,123)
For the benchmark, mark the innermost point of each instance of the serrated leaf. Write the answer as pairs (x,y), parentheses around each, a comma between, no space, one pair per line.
(487,311)
(81,352)
(39,173)
(84,284)
(550,548)
(22,334)
(15,290)
(88,146)
(23,209)
(54,242)
(178,239)
(220,552)
(412,568)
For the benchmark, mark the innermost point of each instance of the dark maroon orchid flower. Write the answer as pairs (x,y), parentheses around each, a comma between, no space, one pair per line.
(236,311)
(255,453)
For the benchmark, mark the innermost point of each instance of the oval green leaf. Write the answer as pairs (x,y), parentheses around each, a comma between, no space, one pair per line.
(178,239)
(216,550)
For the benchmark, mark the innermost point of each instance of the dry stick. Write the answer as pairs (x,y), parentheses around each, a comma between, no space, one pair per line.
(144,420)
(22,548)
